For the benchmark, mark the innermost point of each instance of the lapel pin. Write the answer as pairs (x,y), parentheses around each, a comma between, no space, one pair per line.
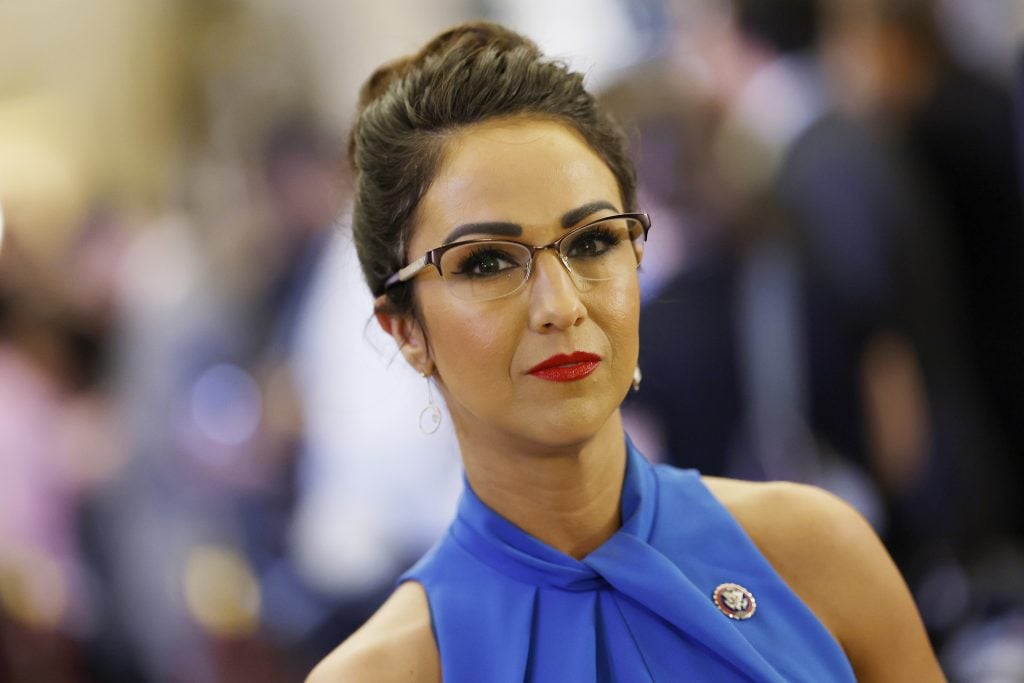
(734,601)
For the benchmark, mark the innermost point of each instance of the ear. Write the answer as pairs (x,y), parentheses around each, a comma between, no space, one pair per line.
(408,335)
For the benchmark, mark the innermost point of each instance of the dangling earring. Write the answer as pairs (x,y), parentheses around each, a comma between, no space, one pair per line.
(637,378)
(430,417)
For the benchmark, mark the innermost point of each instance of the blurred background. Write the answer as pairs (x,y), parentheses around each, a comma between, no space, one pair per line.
(211,467)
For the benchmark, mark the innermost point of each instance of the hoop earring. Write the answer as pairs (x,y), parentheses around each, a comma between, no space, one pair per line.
(637,378)
(430,417)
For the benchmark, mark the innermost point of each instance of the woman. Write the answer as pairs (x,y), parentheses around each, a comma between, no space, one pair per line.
(496,223)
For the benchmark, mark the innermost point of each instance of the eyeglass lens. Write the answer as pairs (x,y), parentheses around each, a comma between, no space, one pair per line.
(478,271)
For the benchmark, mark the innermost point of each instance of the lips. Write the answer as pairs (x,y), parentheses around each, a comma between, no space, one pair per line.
(566,367)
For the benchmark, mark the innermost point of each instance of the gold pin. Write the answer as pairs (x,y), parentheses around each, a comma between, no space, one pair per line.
(734,601)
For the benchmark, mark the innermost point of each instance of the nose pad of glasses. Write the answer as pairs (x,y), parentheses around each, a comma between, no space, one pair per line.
(581,284)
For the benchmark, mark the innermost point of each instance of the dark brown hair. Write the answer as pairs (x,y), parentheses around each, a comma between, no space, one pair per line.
(409,108)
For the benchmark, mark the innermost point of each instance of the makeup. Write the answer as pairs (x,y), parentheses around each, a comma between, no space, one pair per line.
(566,368)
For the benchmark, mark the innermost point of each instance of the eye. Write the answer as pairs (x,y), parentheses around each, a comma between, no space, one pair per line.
(593,242)
(483,261)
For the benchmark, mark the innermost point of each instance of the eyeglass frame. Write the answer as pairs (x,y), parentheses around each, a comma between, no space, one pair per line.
(433,256)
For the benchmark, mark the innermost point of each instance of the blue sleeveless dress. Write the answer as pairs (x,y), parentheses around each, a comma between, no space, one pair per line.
(506,607)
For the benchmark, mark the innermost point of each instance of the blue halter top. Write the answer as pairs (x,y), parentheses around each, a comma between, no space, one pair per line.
(506,607)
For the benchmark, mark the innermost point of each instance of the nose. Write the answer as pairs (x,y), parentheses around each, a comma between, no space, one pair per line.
(555,302)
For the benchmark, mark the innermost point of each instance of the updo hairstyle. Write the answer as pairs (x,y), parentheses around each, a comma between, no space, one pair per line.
(409,108)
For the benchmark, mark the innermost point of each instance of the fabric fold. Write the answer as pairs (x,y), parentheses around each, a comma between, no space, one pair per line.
(508,607)
(644,577)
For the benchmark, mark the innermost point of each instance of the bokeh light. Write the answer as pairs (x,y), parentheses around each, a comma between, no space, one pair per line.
(221,592)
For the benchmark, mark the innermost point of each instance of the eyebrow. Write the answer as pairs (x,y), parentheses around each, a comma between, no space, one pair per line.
(507,229)
(493,228)
(571,218)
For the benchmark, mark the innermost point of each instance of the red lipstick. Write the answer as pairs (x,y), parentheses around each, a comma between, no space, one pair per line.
(566,368)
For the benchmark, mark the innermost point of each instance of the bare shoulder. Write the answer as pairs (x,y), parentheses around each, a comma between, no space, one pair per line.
(396,644)
(804,531)
(832,558)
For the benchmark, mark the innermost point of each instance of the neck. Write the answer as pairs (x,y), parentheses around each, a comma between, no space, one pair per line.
(565,496)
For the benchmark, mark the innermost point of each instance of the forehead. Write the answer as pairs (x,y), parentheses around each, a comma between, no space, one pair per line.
(525,171)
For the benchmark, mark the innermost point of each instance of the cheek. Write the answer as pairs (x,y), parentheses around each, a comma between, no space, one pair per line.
(467,342)
(619,312)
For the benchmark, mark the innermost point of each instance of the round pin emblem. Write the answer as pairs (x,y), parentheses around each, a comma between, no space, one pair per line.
(734,601)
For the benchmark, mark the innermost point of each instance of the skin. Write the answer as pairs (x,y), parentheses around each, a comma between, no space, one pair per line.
(550,456)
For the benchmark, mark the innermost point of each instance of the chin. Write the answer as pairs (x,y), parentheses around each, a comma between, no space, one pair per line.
(573,426)
(545,421)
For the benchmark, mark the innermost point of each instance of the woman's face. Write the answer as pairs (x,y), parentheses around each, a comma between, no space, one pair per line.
(531,174)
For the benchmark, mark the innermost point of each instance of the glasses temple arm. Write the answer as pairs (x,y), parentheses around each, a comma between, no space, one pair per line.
(408,272)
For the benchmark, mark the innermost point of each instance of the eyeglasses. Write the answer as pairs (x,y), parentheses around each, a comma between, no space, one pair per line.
(486,269)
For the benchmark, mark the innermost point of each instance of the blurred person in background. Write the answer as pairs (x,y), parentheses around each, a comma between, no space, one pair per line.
(217,423)
(41,574)
(244,374)
(802,219)
(956,125)
(917,71)
(58,443)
